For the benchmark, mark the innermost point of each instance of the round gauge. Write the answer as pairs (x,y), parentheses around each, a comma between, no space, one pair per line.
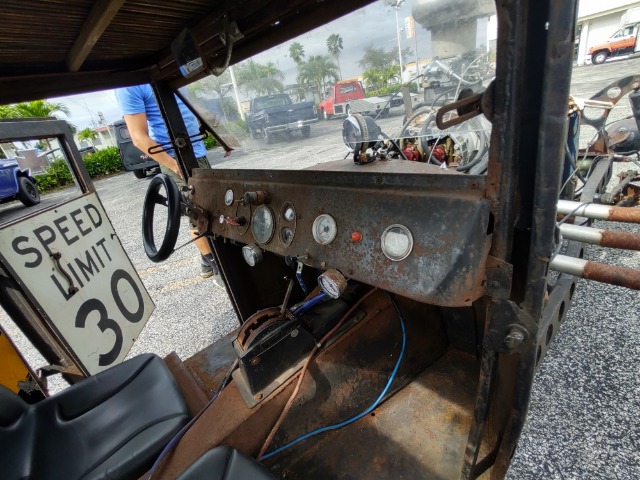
(286,235)
(397,242)
(228,198)
(288,212)
(263,224)
(333,283)
(252,255)
(324,229)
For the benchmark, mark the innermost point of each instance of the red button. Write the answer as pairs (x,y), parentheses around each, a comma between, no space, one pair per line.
(356,236)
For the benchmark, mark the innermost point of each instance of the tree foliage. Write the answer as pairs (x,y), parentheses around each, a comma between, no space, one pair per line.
(40,109)
(317,72)
(296,52)
(260,79)
(7,111)
(87,134)
(203,87)
(221,86)
(379,58)
(334,46)
(380,78)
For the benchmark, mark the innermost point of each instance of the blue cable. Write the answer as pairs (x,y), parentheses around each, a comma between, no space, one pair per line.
(360,415)
(309,303)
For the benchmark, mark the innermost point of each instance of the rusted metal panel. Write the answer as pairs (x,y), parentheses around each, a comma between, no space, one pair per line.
(446,266)
(193,393)
(344,379)
(210,365)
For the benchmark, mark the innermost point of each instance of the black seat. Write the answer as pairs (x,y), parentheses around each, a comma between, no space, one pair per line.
(111,425)
(225,463)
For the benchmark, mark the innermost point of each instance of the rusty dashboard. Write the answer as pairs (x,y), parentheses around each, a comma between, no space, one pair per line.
(409,228)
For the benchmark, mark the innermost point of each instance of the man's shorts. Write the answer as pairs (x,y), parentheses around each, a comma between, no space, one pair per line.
(202,163)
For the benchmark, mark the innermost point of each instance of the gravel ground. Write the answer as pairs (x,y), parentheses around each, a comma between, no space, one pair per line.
(583,418)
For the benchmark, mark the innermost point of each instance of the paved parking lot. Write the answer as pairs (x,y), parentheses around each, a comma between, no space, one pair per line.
(583,421)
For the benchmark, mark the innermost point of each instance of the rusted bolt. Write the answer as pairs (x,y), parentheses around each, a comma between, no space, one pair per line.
(257,396)
(514,338)
(495,284)
(474,185)
(378,180)
(255,361)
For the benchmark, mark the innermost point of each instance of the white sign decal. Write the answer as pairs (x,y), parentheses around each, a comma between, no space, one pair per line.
(71,262)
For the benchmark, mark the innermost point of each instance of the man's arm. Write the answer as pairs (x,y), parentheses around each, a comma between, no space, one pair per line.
(139,131)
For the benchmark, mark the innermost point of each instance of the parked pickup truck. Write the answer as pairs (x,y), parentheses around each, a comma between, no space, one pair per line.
(623,42)
(270,115)
(348,97)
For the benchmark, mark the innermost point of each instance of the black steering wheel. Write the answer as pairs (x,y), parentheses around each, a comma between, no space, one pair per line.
(172,202)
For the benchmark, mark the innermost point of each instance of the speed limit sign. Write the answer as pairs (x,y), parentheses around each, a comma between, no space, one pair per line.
(70,262)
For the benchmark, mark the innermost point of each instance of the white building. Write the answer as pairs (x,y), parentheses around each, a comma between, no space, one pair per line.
(597,21)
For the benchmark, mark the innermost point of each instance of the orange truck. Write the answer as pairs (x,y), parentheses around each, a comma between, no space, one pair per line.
(623,42)
(348,97)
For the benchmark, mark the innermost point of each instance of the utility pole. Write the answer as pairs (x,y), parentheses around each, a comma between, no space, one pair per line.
(396,4)
(235,93)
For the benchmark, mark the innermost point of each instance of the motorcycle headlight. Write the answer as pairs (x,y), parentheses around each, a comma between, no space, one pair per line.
(360,132)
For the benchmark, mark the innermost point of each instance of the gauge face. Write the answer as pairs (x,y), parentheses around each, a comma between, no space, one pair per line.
(262,224)
(333,283)
(228,197)
(397,242)
(289,213)
(286,235)
(252,254)
(324,229)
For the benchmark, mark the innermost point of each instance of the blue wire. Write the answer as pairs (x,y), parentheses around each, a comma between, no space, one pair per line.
(310,303)
(360,415)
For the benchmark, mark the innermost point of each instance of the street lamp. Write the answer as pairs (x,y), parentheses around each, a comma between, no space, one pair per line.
(396,4)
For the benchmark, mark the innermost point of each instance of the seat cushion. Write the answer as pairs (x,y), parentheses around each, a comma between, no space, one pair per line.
(225,463)
(110,425)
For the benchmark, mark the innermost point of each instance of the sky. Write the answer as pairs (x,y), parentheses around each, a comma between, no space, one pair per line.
(375,25)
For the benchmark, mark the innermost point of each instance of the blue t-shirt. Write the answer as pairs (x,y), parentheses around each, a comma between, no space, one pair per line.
(140,99)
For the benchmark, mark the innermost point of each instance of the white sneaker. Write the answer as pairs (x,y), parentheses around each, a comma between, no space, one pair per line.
(217,280)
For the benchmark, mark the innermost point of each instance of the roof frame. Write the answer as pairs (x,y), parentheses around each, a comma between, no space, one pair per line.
(97,22)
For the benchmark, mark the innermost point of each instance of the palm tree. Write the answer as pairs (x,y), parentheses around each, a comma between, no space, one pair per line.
(8,111)
(316,72)
(296,52)
(261,79)
(221,86)
(334,45)
(87,134)
(40,109)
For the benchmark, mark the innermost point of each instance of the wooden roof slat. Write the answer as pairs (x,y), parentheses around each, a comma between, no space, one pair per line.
(97,22)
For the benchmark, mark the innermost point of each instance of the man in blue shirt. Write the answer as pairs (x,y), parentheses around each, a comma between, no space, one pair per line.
(147,128)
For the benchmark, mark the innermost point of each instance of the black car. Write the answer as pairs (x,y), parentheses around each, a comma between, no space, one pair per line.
(133,159)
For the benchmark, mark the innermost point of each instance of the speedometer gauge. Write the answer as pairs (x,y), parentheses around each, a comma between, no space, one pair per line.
(262,224)
(324,229)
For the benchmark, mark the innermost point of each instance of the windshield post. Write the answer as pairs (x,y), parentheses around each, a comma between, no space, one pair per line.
(176,128)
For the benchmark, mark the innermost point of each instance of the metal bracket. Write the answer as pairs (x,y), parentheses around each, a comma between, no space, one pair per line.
(180,142)
(498,277)
(472,106)
(510,328)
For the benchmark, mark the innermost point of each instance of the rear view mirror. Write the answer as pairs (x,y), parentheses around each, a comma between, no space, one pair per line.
(187,54)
